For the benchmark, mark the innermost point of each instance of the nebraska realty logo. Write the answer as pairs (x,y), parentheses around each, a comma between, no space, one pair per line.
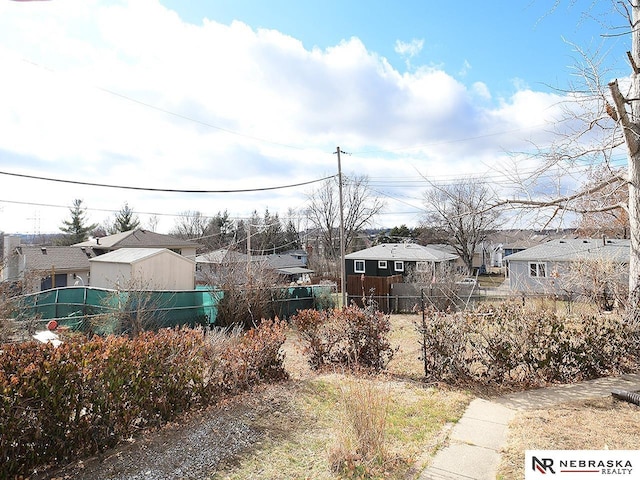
(581,464)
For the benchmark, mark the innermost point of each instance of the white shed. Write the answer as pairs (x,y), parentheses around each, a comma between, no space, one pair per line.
(143,268)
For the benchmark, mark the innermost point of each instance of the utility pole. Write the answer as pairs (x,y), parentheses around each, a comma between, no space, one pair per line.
(249,251)
(342,272)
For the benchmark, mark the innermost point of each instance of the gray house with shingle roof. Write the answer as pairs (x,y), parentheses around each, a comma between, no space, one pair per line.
(220,265)
(47,267)
(544,268)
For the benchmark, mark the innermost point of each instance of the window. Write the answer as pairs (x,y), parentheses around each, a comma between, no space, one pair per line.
(423,267)
(398,266)
(537,269)
(358,266)
(382,264)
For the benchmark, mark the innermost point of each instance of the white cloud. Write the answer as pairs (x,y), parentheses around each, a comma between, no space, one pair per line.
(466,66)
(128,93)
(409,49)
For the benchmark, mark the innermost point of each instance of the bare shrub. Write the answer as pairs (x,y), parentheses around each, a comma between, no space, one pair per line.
(351,337)
(601,281)
(514,345)
(248,292)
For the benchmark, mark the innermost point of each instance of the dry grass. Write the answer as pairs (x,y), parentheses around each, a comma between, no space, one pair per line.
(360,444)
(602,423)
(300,434)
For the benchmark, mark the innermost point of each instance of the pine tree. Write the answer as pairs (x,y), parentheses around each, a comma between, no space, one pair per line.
(125,220)
(76,230)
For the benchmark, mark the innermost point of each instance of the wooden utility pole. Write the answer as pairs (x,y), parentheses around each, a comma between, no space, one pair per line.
(342,266)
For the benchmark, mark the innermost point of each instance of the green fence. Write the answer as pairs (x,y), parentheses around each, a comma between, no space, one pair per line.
(102,311)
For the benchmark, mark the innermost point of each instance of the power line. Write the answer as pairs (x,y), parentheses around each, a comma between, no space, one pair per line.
(165,190)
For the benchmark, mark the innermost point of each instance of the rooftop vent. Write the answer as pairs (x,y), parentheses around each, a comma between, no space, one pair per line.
(43,250)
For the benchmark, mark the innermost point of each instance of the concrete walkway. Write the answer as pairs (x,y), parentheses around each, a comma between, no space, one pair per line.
(474,444)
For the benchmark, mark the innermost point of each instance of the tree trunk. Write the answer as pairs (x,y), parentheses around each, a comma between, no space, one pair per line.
(630,123)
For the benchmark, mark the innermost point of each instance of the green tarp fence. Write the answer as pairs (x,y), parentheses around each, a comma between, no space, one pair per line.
(102,311)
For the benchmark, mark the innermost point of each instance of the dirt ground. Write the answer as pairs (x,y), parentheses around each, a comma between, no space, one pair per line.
(601,423)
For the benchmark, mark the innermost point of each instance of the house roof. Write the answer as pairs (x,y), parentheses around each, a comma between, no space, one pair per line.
(58,258)
(294,270)
(278,261)
(571,249)
(409,252)
(137,238)
(222,255)
(133,255)
(284,263)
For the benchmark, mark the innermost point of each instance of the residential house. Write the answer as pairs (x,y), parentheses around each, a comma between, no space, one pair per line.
(502,243)
(42,268)
(53,266)
(221,266)
(144,269)
(140,238)
(389,259)
(545,268)
(290,267)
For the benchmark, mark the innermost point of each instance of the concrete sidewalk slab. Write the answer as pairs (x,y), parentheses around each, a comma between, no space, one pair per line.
(462,462)
(475,442)
(547,397)
(484,424)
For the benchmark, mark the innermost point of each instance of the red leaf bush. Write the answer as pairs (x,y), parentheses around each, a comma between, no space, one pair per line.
(86,395)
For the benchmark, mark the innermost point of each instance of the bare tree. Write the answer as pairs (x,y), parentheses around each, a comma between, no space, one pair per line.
(611,223)
(463,210)
(360,207)
(600,117)
(190,225)
(212,232)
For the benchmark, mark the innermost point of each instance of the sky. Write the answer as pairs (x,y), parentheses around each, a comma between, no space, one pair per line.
(244,103)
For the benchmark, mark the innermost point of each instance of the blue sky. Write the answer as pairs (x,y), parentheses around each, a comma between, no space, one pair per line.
(234,95)
(496,42)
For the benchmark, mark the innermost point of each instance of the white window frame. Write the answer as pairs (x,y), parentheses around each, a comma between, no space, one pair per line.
(355,266)
(382,264)
(398,266)
(536,268)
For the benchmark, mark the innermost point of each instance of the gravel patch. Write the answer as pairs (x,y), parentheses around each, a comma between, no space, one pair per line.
(194,447)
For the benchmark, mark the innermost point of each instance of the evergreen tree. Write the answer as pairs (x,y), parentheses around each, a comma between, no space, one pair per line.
(76,229)
(291,237)
(125,220)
